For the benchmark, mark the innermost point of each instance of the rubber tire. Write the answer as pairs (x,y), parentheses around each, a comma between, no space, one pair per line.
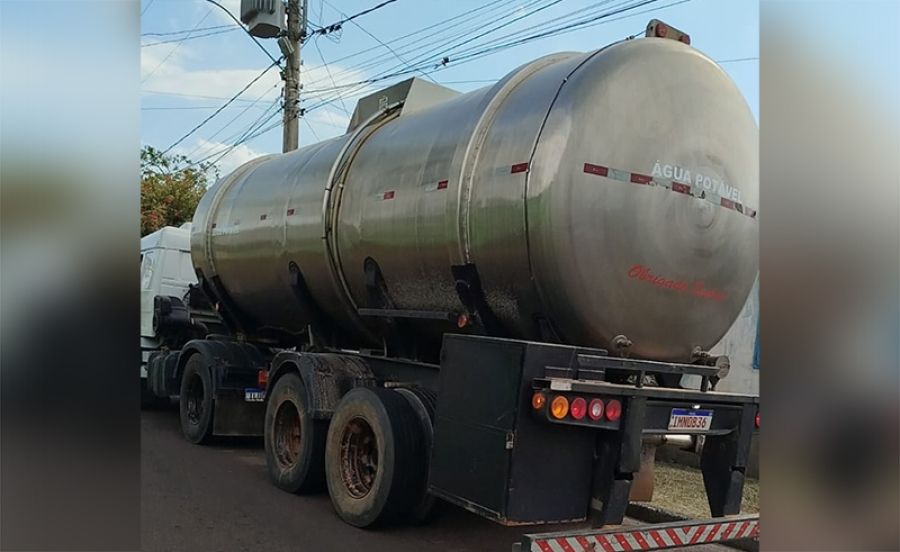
(201,432)
(427,507)
(400,446)
(308,473)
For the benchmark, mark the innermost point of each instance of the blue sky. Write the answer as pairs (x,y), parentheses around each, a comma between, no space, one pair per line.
(218,66)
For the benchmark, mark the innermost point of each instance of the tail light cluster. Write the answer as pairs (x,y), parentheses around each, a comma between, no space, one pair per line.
(660,30)
(578,408)
(262,379)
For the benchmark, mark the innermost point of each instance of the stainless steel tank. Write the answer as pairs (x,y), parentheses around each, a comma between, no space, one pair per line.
(613,192)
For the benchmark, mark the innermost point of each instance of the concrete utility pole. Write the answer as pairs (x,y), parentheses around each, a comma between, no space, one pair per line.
(291,73)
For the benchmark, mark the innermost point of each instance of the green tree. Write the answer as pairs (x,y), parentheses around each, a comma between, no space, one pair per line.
(171,188)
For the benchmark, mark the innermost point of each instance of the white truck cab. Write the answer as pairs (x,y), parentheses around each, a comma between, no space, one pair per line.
(166,269)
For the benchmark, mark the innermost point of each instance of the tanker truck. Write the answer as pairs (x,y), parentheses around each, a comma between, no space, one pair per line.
(490,299)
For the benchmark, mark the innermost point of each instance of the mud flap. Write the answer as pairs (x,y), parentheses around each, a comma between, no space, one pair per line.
(235,417)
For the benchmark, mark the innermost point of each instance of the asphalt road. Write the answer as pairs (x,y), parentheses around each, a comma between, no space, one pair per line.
(218,498)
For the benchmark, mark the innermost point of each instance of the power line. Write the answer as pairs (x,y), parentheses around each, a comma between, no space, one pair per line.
(147,7)
(242,135)
(316,134)
(204,29)
(173,50)
(455,28)
(379,41)
(223,8)
(738,60)
(435,49)
(495,3)
(327,70)
(189,37)
(235,118)
(229,149)
(338,24)
(192,95)
(193,130)
(457,60)
(155,108)
(392,51)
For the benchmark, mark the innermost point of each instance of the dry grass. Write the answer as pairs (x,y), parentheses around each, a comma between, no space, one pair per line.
(680,489)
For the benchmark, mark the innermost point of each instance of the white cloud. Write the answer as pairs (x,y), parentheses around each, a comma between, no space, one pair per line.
(230,161)
(174,76)
(233,6)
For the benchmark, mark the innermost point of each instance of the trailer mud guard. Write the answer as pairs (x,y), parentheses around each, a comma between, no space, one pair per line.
(326,376)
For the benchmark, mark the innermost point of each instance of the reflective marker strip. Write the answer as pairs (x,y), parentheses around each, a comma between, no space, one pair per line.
(596,169)
(386,195)
(434,186)
(290,212)
(263,217)
(645,539)
(680,187)
(521,167)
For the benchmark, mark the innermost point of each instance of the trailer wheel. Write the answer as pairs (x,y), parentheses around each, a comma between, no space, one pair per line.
(373,458)
(196,402)
(295,443)
(427,507)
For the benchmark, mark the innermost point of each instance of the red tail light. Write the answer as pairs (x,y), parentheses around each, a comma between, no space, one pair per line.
(661,30)
(263,379)
(757,418)
(613,410)
(595,411)
(685,38)
(578,408)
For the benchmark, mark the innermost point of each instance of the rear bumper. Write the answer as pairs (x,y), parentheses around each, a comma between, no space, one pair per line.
(644,537)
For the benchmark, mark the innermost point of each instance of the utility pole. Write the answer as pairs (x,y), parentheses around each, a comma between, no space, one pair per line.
(290,47)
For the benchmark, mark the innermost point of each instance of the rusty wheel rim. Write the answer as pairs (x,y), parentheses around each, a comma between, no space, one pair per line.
(359,457)
(195,396)
(287,434)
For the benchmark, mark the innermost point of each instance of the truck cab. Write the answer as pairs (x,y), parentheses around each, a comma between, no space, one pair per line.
(166,270)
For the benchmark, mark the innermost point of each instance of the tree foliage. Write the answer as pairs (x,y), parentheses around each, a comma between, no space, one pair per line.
(171,188)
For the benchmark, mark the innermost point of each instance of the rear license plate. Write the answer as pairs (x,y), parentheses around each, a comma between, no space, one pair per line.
(690,420)
(254,395)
